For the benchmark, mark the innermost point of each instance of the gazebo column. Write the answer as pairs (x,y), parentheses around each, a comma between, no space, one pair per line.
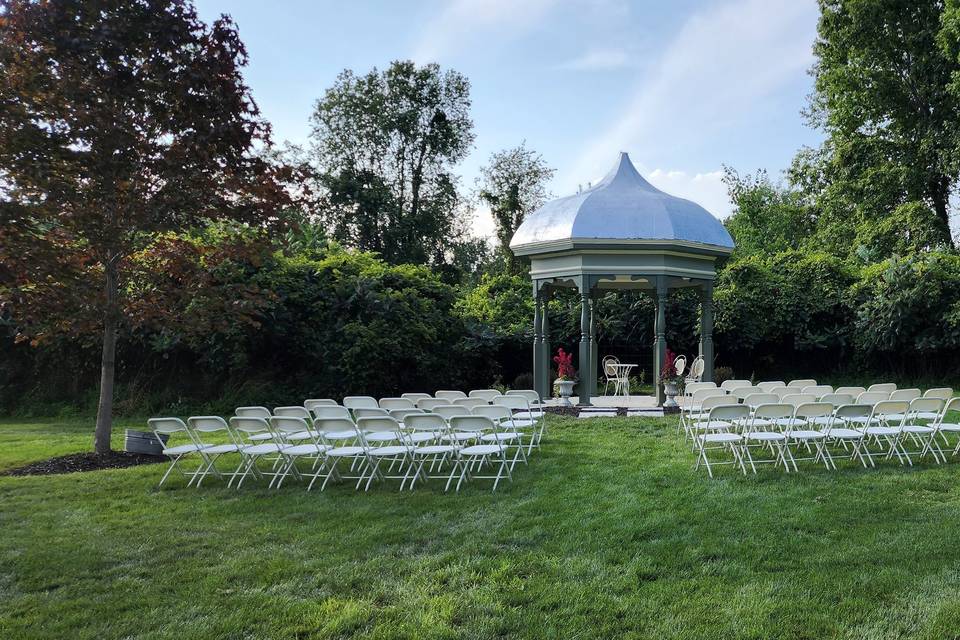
(706,330)
(593,344)
(544,381)
(537,342)
(660,329)
(584,388)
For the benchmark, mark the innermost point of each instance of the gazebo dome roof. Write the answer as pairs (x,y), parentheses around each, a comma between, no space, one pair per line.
(623,208)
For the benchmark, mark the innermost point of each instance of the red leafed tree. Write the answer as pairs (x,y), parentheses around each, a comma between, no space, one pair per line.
(119,120)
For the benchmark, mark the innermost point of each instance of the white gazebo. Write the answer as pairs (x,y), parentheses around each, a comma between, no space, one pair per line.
(622,233)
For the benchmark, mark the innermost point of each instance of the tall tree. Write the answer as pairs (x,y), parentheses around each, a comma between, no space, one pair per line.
(513,183)
(882,94)
(384,145)
(119,119)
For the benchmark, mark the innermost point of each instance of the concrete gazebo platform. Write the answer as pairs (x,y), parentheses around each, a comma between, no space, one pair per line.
(623,233)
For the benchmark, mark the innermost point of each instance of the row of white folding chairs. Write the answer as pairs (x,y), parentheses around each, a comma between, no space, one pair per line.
(888,425)
(463,443)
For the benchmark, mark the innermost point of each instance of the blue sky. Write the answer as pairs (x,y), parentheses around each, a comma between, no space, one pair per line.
(684,86)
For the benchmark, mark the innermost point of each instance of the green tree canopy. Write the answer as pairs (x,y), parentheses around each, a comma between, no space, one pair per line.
(384,145)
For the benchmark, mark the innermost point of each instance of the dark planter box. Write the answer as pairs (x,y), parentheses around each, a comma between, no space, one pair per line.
(144,442)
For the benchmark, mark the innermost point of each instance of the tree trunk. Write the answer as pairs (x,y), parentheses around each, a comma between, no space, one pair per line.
(101,436)
(940,194)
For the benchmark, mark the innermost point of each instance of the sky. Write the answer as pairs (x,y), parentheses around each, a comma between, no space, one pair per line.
(684,86)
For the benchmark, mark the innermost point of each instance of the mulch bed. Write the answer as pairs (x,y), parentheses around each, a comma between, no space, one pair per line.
(574,411)
(74,462)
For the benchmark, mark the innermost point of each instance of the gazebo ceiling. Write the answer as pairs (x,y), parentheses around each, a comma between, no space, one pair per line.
(622,211)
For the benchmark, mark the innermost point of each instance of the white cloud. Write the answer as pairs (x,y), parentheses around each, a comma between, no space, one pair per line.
(722,62)
(463,21)
(482,224)
(706,189)
(598,60)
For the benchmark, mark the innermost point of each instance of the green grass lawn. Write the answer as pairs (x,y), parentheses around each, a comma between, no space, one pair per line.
(607,534)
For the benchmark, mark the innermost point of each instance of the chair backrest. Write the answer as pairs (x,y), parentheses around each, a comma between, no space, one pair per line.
(292,412)
(401,415)
(953,404)
(397,403)
(496,412)
(944,393)
(370,412)
(249,425)
(415,396)
(781,391)
(692,387)
(319,402)
(377,423)
(906,394)
(710,392)
(512,402)
(883,387)
(327,411)
(854,411)
(837,399)
(818,390)
(696,368)
(814,410)
(449,395)
(926,405)
(167,426)
(485,394)
(680,365)
(729,412)
(426,422)
(471,423)
(774,411)
(712,402)
(470,403)
(334,424)
(450,410)
(360,402)
(729,385)
(533,398)
(853,391)
(797,399)
(872,397)
(892,408)
(207,424)
(252,412)
(767,385)
(609,367)
(801,383)
(427,404)
(742,392)
(285,425)
(756,399)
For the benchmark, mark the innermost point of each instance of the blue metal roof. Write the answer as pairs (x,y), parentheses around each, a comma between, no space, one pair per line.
(622,206)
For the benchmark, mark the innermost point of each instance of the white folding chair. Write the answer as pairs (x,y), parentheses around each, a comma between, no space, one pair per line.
(202,426)
(765,430)
(721,434)
(872,397)
(415,396)
(475,457)
(428,404)
(534,402)
(522,418)
(370,412)
(331,411)
(692,411)
(690,387)
(430,454)
(801,383)
(849,427)
(400,415)
(307,446)
(506,434)
(944,427)
(742,392)
(253,412)
(730,385)
(803,431)
(385,442)
(886,427)
(448,411)
(944,393)
(882,387)
(920,428)
(345,446)
(852,391)
(251,453)
(817,390)
(293,412)
(163,429)
(470,403)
